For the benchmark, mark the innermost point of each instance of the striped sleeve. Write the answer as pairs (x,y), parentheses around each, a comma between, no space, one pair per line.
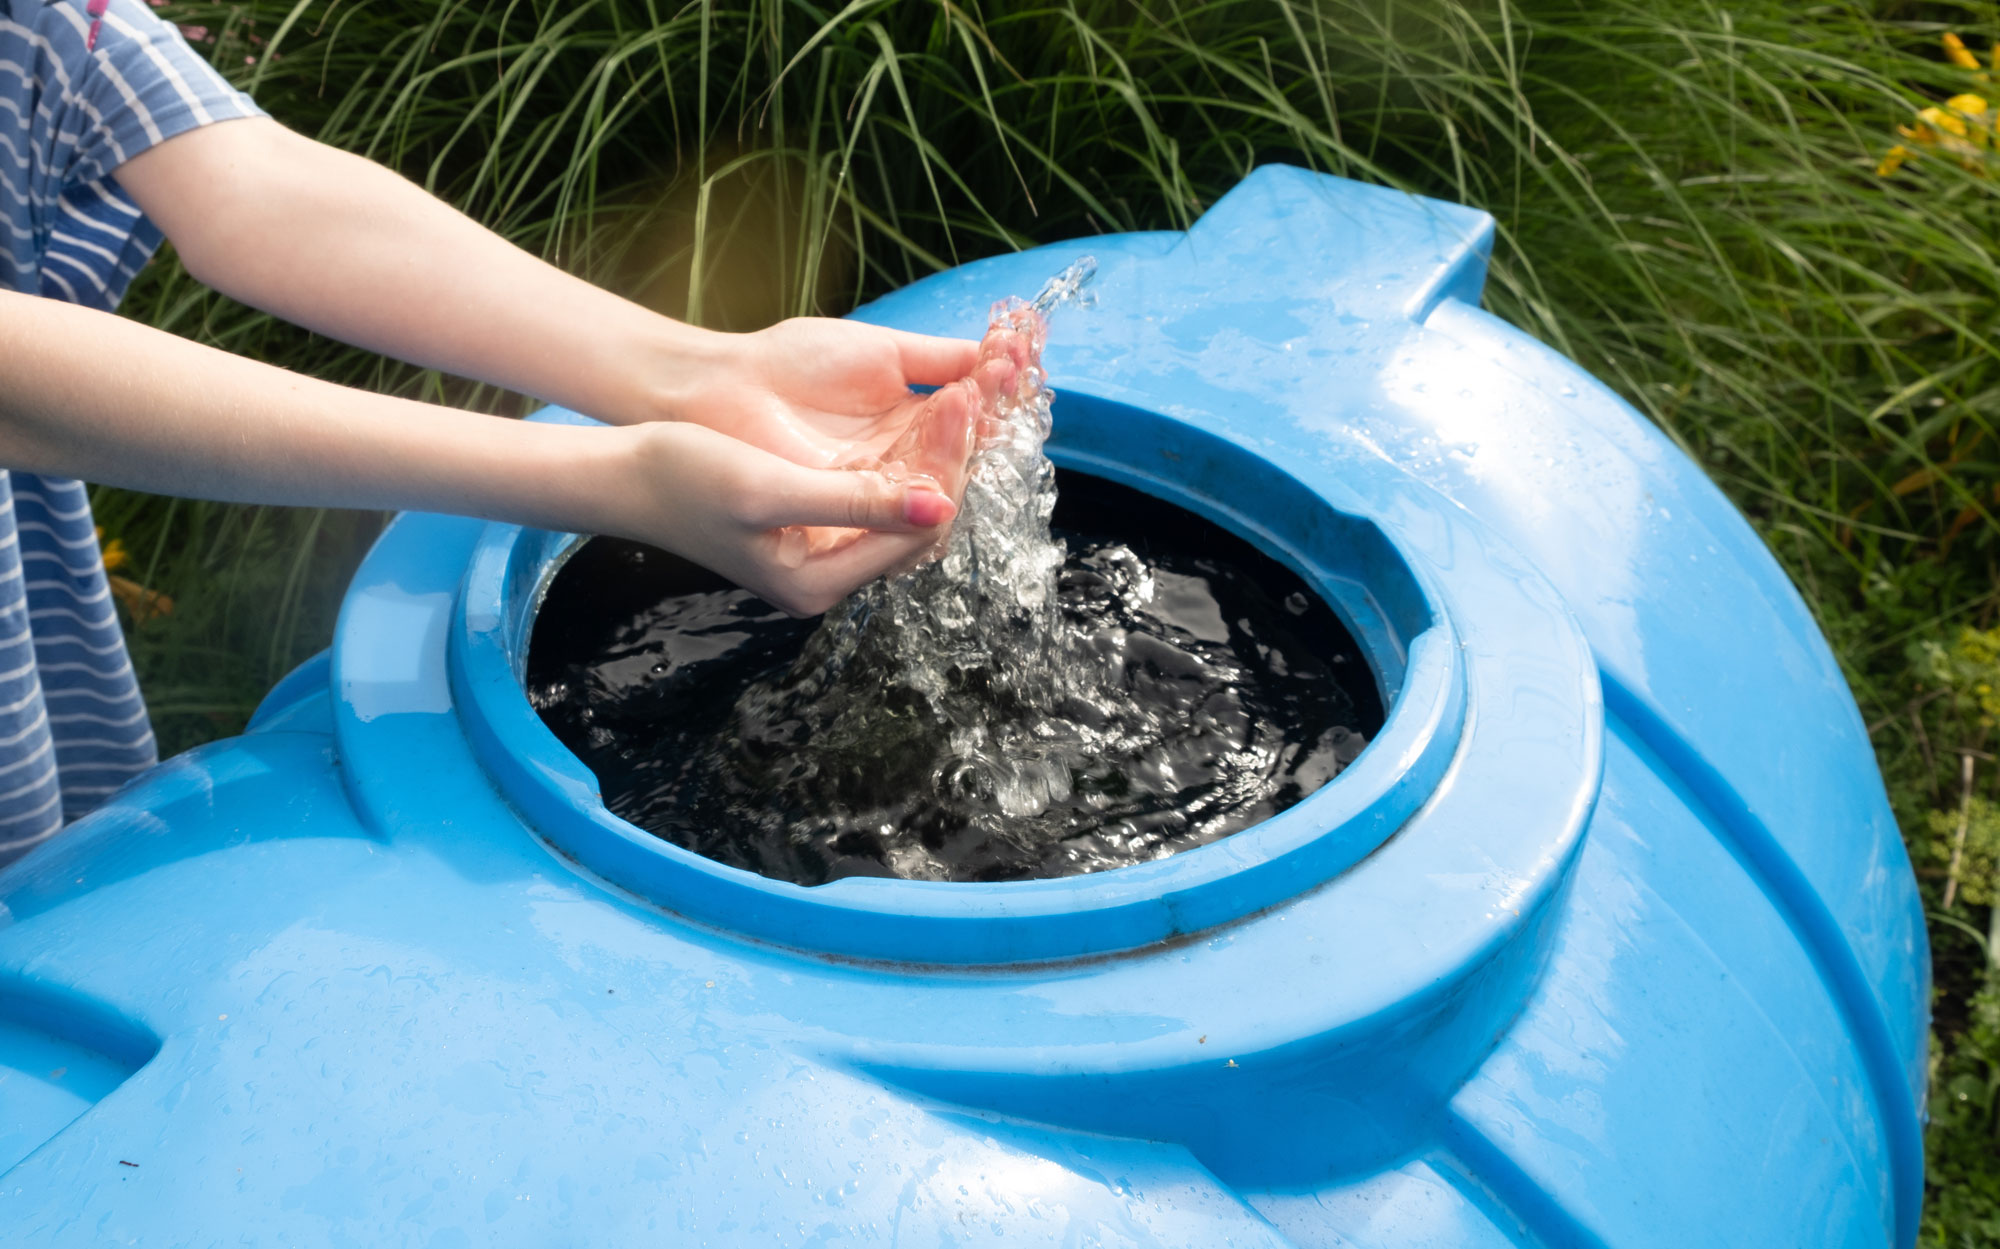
(72,110)
(139,87)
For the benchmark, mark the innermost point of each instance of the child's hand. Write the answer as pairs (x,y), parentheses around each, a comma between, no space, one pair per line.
(762,521)
(823,392)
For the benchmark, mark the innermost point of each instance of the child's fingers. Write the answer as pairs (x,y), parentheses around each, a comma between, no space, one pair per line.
(994,377)
(847,499)
(931,361)
(939,440)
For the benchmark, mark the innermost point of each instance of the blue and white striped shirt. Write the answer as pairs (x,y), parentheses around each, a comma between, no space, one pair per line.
(72,725)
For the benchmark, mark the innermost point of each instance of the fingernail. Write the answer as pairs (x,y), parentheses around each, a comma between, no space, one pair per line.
(927,508)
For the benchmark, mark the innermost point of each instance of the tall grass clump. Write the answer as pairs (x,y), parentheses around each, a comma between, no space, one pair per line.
(1688,204)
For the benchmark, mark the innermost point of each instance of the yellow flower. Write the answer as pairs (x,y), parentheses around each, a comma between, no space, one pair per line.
(1964,128)
(139,602)
(142,604)
(1972,109)
(1958,54)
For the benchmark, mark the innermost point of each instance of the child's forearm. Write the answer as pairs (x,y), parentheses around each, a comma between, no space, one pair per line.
(84,394)
(347,248)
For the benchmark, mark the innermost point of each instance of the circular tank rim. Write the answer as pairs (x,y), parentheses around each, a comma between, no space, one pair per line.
(1349,560)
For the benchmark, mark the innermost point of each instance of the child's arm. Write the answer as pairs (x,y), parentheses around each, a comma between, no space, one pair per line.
(345,247)
(87,394)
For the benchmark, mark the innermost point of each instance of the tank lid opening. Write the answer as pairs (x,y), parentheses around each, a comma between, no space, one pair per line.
(1345,560)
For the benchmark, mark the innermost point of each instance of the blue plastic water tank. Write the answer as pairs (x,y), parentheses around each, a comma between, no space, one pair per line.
(1607,940)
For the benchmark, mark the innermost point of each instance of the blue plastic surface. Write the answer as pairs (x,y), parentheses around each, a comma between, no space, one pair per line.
(1607,940)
